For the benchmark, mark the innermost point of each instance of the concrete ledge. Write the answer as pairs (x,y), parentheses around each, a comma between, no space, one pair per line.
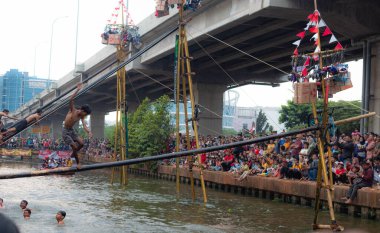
(367,197)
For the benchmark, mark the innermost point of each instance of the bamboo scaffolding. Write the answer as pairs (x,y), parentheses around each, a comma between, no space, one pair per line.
(183,72)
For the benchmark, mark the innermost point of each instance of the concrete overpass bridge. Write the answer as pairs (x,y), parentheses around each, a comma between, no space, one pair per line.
(261,28)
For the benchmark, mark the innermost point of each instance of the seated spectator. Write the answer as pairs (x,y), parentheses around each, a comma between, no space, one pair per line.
(376,170)
(340,174)
(295,170)
(365,180)
(227,161)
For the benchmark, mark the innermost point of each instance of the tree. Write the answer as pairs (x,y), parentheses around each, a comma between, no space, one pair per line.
(109,133)
(228,132)
(262,125)
(296,116)
(149,127)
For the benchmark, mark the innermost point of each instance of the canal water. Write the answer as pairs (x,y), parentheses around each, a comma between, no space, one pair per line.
(147,205)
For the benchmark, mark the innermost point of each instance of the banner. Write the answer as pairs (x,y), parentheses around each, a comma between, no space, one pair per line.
(16,152)
(43,154)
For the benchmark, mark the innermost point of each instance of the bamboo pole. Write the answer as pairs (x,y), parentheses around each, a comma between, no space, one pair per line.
(356,118)
(190,81)
(322,170)
(155,157)
(177,85)
(189,158)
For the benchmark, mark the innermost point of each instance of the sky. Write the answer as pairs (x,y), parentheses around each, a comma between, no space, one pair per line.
(26,33)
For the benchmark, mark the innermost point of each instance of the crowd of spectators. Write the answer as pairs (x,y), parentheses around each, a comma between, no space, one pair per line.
(355,160)
(36,143)
(355,157)
(98,148)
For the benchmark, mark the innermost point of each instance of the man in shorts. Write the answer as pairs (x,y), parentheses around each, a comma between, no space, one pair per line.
(24,123)
(73,116)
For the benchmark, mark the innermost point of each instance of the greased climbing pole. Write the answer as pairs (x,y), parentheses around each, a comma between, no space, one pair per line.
(184,74)
(120,134)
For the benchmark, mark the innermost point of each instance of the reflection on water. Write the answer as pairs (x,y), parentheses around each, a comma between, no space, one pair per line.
(147,205)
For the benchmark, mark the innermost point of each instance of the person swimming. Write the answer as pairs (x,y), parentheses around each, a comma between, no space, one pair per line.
(23,204)
(27,212)
(60,216)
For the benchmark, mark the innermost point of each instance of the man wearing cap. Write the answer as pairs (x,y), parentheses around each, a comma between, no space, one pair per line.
(365,181)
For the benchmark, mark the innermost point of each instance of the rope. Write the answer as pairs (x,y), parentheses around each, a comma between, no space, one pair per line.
(233,80)
(171,89)
(249,55)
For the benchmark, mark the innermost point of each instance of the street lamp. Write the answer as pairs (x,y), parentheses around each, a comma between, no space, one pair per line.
(51,44)
(76,38)
(35,56)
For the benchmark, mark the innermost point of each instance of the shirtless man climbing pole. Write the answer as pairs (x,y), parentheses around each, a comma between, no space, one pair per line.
(73,116)
(23,124)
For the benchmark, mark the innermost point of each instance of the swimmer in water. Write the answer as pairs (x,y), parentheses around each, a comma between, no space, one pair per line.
(74,115)
(27,212)
(60,216)
(23,204)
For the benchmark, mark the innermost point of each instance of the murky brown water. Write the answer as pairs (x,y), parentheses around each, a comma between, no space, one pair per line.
(147,205)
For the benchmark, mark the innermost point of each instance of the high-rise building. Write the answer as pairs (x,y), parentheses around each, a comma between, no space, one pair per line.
(17,88)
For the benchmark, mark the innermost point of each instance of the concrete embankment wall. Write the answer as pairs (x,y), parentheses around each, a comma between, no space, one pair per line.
(367,204)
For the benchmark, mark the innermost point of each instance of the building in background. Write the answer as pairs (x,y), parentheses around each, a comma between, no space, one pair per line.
(17,88)
(239,118)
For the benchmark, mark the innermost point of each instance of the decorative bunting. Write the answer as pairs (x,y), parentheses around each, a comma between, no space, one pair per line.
(327,32)
(315,37)
(317,49)
(307,62)
(332,39)
(310,16)
(313,29)
(322,23)
(301,34)
(315,57)
(297,43)
(314,18)
(304,71)
(338,47)
(307,26)
(295,53)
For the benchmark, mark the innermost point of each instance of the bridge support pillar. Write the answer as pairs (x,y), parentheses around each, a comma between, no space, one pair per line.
(210,99)
(97,122)
(374,93)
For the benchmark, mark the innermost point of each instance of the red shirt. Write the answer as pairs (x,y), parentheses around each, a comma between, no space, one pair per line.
(340,171)
(228,158)
(203,158)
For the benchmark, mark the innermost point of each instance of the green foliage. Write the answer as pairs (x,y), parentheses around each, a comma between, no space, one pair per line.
(262,125)
(296,116)
(149,127)
(228,132)
(109,132)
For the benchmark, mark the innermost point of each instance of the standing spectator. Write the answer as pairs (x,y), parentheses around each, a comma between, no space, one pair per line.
(360,149)
(348,148)
(365,181)
(296,147)
(371,147)
(313,169)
